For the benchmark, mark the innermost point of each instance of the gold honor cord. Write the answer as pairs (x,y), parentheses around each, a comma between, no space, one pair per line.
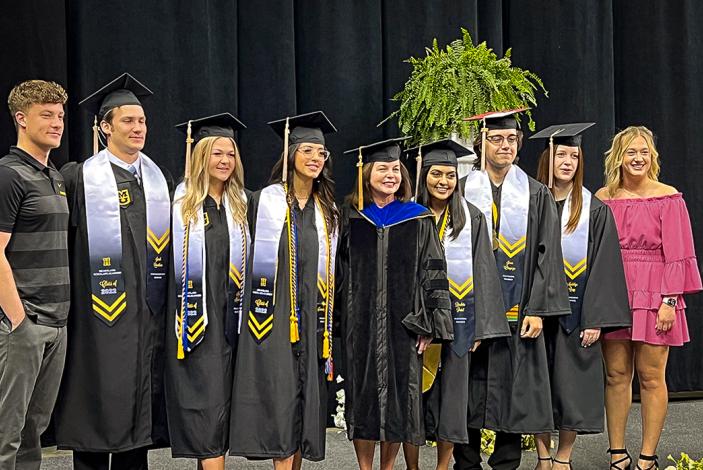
(292,279)
(329,291)
(95,135)
(443,225)
(360,182)
(180,354)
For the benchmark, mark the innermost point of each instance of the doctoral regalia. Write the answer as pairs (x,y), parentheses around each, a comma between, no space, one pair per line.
(392,288)
(510,376)
(447,401)
(576,372)
(111,396)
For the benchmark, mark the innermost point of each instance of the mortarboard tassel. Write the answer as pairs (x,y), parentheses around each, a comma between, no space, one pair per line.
(95,135)
(484,132)
(189,142)
(418,168)
(360,182)
(286,132)
(551,162)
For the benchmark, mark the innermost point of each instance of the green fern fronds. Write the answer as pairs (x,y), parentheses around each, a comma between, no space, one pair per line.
(459,81)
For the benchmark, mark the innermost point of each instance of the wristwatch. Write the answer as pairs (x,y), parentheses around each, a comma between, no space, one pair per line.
(670,301)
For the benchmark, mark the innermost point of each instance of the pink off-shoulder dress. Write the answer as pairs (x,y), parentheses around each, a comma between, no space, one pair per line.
(659,258)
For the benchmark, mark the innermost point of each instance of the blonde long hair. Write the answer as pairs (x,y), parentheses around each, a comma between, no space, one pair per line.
(615,154)
(198,182)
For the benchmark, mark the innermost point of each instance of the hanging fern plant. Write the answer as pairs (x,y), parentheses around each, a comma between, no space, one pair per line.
(463,80)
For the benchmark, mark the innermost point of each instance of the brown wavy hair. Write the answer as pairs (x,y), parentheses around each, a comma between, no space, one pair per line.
(403,194)
(576,190)
(322,186)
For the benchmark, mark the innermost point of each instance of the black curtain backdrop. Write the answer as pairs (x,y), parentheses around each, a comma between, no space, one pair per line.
(617,62)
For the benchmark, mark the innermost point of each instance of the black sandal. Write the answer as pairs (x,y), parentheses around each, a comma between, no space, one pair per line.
(627,457)
(563,463)
(649,458)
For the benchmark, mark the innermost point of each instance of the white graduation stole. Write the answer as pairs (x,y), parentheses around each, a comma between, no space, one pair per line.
(102,204)
(574,246)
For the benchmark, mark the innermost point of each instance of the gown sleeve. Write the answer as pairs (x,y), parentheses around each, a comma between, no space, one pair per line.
(547,294)
(681,275)
(433,314)
(70,172)
(605,299)
(491,321)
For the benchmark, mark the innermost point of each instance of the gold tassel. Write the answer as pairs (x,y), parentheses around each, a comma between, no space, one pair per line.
(95,135)
(294,333)
(326,345)
(360,182)
(418,169)
(286,132)
(180,354)
(189,143)
(551,162)
(484,131)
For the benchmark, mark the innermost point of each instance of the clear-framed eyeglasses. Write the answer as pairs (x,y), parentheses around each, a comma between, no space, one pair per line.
(310,152)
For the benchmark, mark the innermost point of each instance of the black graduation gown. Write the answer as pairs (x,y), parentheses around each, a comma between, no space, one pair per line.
(510,376)
(577,376)
(111,395)
(392,287)
(280,389)
(199,387)
(447,402)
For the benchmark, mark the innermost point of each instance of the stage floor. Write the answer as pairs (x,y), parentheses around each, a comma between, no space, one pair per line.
(681,434)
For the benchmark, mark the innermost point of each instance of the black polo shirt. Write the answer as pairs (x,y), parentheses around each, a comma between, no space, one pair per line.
(34,210)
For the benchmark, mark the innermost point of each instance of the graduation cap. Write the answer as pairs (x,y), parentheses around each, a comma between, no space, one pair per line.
(384,151)
(561,134)
(309,128)
(440,152)
(122,91)
(495,120)
(217,125)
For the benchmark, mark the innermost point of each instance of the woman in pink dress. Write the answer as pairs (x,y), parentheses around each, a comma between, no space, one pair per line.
(660,266)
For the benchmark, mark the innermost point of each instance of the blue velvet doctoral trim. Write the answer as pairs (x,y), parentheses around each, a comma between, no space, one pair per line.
(394,213)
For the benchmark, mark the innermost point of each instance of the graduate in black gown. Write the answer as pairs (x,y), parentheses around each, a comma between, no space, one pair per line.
(510,376)
(597,292)
(284,355)
(477,303)
(393,301)
(111,397)
(210,232)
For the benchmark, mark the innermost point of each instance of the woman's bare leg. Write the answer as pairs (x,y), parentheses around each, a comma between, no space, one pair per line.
(444,454)
(650,362)
(411,453)
(389,451)
(215,463)
(364,453)
(618,355)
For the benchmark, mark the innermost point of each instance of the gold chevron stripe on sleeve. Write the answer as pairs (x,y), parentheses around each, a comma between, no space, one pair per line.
(156,242)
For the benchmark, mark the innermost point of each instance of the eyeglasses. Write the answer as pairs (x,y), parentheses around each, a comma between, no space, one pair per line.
(498,139)
(310,152)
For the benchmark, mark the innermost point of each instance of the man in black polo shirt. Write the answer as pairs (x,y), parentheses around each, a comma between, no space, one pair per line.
(34,297)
